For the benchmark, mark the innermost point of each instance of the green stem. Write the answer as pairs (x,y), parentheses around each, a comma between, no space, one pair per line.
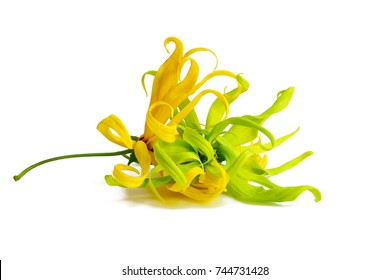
(18,177)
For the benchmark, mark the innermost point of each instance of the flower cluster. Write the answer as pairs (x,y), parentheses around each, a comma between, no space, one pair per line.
(178,153)
(199,159)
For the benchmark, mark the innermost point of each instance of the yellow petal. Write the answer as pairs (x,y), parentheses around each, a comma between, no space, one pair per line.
(167,75)
(165,132)
(209,186)
(174,97)
(190,176)
(179,93)
(122,138)
(212,75)
(166,79)
(195,50)
(187,109)
(143,157)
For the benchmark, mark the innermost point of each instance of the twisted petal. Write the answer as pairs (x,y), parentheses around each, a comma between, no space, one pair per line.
(216,110)
(202,184)
(122,138)
(190,176)
(165,80)
(151,73)
(209,185)
(243,191)
(247,170)
(168,89)
(167,164)
(143,157)
(160,130)
(190,106)
(191,120)
(200,145)
(213,74)
(282,101)
(195,50)
(178,93)
(288,165)
(239,134)
(258,148)
(167,77)
(247,122)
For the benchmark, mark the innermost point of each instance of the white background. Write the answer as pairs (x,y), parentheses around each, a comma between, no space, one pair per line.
(65,65)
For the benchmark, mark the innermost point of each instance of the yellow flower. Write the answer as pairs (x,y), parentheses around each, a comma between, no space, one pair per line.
(169,105)
(168,93)
(177,153)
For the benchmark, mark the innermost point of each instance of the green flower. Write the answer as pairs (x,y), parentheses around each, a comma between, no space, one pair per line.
(203,163)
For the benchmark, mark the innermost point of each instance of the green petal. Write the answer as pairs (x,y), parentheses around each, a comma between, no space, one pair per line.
(252,166)
(199,143)
(288,165)
(168,164)
(244,172)
(239,163)
(244,121)
(282,101)
(259,148)
(185,157)
(191,120)
(225,153)
(151,73)
(253,194)
(239,135)
(179,146)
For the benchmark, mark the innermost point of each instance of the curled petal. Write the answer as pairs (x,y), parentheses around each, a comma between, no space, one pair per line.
(245,121)
(259,148)
(165,132)
(165,80)
(167,164)
(190,106)
(240,134)
(288,165)
(190,176)
(195,50)
(199,144)
(142,154)
(248,184)
(122,138)
(151,73)
(178,93)
(243,191)
(216,110)
(209,185)
(191,120)
(212,75)
(282,101)
(166,77)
